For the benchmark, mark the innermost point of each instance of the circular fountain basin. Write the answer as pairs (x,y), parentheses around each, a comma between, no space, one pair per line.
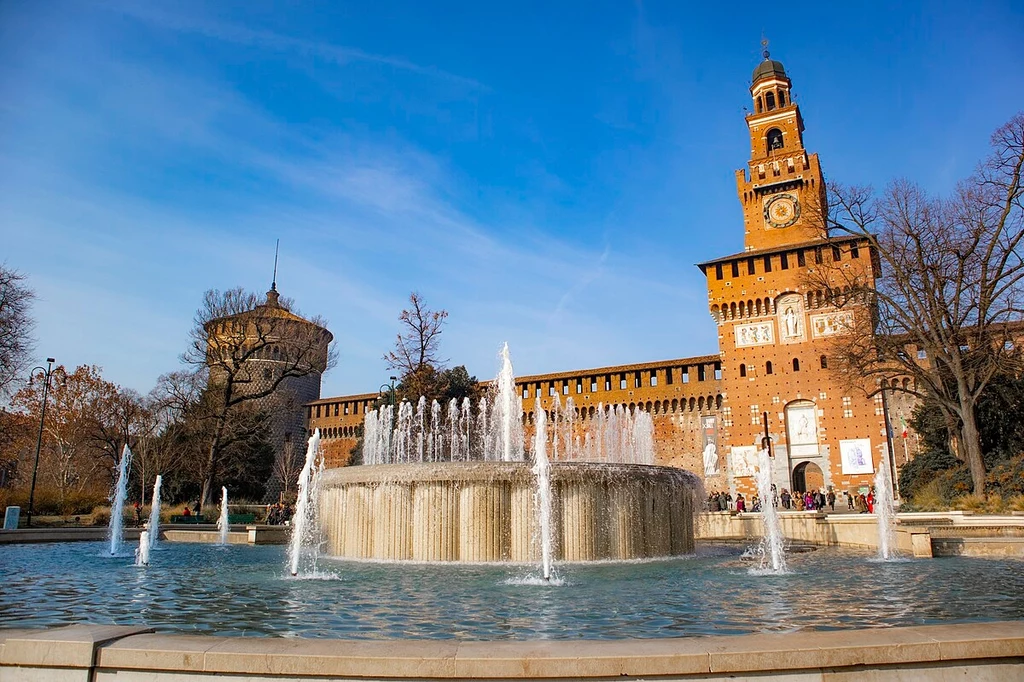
(486,512)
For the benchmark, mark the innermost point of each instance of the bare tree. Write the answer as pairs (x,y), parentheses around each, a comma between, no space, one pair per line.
(16,326)
(945,296)
(249,348)
(416,346)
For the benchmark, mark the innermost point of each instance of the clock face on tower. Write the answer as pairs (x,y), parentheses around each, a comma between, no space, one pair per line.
(781,210)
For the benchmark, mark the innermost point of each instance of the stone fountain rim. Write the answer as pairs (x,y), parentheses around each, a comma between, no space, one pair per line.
(516,472)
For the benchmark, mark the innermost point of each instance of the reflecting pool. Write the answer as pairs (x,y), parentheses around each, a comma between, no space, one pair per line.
(244,590)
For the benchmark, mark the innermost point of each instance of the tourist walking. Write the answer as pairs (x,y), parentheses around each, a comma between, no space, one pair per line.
(831,499)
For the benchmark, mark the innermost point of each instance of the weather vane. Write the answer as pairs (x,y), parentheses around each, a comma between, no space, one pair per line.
(764,44)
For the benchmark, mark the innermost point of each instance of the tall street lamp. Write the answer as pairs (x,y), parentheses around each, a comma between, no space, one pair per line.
(48,371)
(390,390)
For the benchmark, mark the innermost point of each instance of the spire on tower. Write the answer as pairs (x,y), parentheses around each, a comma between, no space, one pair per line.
(273,283)
(764,46)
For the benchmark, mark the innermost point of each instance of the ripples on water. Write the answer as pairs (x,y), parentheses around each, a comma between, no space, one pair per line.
(243,590)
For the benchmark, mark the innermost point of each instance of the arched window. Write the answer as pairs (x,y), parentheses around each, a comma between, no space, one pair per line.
(769,100)
(824,362)
(774,137)
(743,370)
(759,107)
(782,98)
(768,367)
(796,364)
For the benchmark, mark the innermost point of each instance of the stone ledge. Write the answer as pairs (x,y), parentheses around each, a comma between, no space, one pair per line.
(126,650)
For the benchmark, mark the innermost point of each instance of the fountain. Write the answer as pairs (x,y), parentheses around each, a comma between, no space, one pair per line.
(222,523)
(305,539)
(142,553)
(453,484)
(154,514)
(542,469)
(120,494)
(885,512)
(771,550)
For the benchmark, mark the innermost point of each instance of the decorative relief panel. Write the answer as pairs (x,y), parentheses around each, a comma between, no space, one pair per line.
(756,334)
(830,324)
(791,318)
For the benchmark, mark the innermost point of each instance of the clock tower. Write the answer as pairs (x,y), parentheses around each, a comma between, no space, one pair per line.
(781,190)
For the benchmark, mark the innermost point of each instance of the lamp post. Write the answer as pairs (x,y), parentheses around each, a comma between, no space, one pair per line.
(39,440)
(390,390)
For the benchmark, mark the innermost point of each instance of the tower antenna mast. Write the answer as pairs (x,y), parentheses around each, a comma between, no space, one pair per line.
(273,283)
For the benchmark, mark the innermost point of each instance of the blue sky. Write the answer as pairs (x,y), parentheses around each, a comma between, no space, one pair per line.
(549,173)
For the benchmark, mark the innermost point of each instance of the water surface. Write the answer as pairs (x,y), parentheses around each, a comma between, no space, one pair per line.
(243,590)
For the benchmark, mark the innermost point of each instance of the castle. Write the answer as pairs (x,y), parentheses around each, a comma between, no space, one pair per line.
(775,328)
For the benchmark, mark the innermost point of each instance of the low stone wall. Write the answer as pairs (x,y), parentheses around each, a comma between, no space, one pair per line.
(975,651)
(919,535)
(84,534)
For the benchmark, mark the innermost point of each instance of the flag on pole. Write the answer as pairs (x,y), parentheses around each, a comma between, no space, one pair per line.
(903,422)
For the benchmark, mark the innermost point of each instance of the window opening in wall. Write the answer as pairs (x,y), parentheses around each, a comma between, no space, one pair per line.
(654,377)
(782,98)
(668,376)
(686,376)
(796,364)
(579,386)
(854,251)
(718,271)
(768,367)
(607,382)
(537,393)
(718,371)
(735,268)
(593,385)
(637,381)
(824,362)
(743,370)
(622,383)
(750,266)
(837,254)
(317,411)
(800,260)
(767,263)
(526,393)
(784,261)
(817,255)
(769,100)
(565,388)
(701,372)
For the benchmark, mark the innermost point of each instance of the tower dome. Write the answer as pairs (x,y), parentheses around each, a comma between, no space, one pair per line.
(767,69)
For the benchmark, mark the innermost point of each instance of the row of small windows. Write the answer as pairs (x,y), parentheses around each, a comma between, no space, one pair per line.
(770,369)
(699,404)
(623,381)
(346,408)
(766,306)
(342,432)
(784,260)
(770,100)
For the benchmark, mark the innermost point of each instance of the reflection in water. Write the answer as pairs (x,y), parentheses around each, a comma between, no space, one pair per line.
(242,590)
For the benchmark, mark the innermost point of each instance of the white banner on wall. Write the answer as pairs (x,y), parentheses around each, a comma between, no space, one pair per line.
(744,460)
(856,456)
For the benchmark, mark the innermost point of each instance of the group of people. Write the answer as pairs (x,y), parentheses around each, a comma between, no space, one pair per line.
(809,500)
(279,514)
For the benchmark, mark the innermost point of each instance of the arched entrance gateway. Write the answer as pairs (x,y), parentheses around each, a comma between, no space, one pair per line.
(807,476)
